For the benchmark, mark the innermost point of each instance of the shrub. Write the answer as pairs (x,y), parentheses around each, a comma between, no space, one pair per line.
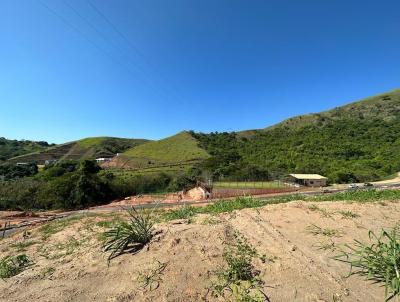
(132,235)
(239,279)
(378,261)
(12,266)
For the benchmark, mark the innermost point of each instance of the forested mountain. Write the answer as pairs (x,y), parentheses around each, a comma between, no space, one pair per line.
(357,142)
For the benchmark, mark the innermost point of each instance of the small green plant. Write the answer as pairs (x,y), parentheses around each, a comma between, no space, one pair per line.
(326,246)
(348,214)
(115,219)
(239,279)
(57,226)
(132,235)
(323,212)
(378,261)
(183,212)
(12,266)
(211,221)
(46,272)
(69,246)
(151,279)
(313,207)
(316,230)
(22,246)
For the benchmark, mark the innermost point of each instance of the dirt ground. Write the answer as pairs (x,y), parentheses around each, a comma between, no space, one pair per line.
(69,264)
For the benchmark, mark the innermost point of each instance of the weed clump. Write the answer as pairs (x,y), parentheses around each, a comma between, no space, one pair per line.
(132,235)
(183,212)
(316,230)
(239,279)
(378,261)
(151,279)
(12,266)
(348,214)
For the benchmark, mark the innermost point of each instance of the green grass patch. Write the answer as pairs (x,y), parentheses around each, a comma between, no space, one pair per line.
(109,223)
(316,230)
(22,246)
(70,246)
(13,265)
(348,214)
(360,196)
(183,212)
(57,226)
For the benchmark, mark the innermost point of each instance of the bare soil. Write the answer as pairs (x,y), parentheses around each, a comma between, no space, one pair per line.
(69,264)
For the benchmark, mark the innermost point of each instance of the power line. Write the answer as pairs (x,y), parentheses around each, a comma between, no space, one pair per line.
(100,33)
(88,39)
(75,28)
(129,43)
(105,38)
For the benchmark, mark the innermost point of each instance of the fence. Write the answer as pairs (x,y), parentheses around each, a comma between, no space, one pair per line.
(232,192)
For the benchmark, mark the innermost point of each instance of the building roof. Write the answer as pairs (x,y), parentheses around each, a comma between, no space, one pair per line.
(308,176)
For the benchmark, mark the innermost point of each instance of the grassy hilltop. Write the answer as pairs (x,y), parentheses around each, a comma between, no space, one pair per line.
(171,154)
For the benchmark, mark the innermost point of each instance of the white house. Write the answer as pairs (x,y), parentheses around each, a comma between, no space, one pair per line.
(309,180)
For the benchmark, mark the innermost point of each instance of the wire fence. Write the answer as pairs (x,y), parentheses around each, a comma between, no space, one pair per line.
(232,192)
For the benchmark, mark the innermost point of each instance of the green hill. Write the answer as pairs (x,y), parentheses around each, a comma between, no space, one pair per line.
(86,148)
(177,150)
(384,106)
(356,142)
(12,148)
(359,141)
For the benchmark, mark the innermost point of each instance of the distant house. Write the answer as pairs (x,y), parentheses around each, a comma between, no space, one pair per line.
(103,159)
(309,180)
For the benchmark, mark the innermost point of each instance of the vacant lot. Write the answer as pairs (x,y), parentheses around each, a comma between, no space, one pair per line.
(296,240)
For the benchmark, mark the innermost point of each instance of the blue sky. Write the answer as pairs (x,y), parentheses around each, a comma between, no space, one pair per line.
(76,68)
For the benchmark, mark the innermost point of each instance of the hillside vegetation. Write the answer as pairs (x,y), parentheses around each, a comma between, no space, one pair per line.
(12,148)
(181,148)
(357,142)
(354,143)
(82,149)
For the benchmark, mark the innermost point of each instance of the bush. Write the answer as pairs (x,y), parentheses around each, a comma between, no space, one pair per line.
(72,190)
(12,266)
(132,235)
(239,279)
(20,194)
(378,261)
(10,171)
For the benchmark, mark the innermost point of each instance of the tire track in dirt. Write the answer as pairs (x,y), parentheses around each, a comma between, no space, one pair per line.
(304,264)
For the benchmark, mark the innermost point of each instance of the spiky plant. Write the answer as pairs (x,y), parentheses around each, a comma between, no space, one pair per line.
(378,261)
(132,235)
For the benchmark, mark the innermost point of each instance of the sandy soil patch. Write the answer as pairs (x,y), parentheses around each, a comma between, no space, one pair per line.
(69,264)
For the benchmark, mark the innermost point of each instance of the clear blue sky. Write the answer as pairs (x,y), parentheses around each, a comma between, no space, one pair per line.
(153,68)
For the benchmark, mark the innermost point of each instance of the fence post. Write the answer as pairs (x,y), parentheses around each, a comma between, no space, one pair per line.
(4,229)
